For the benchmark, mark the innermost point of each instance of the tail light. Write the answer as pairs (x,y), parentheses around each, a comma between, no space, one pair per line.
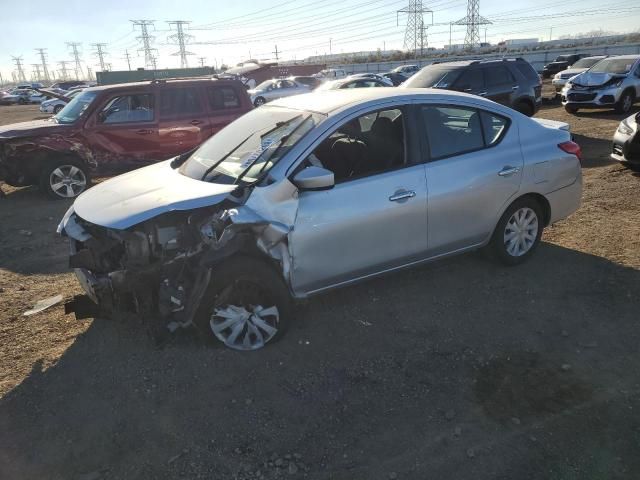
(571,147)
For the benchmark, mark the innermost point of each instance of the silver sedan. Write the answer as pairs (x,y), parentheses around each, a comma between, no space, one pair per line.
(274,89)
(315,192)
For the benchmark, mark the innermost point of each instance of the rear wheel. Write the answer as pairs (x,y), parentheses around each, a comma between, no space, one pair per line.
(247,305)
(570,109)
(518,232)
(524,108)
(259,101)
(625,103)
(65,178)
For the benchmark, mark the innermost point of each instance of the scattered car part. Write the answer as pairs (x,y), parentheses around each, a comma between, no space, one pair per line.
(43,304)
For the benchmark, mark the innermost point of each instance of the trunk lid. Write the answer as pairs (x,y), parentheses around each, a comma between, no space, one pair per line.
(553,124)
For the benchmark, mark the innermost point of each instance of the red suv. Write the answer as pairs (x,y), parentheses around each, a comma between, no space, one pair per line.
(111,129)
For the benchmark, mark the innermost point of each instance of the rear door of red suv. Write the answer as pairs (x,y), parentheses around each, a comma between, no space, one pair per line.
(184,119)
(226,102)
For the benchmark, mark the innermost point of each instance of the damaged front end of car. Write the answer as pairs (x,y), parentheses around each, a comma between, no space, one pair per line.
(159,270)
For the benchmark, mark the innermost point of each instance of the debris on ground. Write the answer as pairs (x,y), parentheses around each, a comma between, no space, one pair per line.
(43,305)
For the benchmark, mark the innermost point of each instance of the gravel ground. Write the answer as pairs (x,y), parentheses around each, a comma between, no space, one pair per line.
(460,369)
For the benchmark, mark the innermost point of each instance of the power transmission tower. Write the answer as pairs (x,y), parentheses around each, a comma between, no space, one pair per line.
(127,56)
(415,24)
(277,53)
(43,60)
(100,53)
(146,39)
(89,75)
(63,69)
(18,62)
(76,57)
(202,60)
(473,20)
(180,38)
(36,67)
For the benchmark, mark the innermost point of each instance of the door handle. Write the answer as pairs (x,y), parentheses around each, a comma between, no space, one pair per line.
(402,195)
(514,88)
(508,171)
(144,131)
(482,94)
(195,122)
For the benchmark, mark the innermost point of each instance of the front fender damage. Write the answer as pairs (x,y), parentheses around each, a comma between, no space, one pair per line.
(160,270)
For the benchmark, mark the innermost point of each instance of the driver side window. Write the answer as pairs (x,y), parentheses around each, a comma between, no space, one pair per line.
(363,146)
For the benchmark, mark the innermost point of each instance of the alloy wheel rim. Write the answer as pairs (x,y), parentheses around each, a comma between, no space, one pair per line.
(626,105)
(67,181)
(521,232)
(244,326)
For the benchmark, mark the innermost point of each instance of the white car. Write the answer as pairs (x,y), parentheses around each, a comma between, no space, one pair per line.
(561,78)
(54,105)
(273,89)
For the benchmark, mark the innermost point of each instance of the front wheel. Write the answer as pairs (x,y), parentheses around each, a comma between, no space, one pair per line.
(570,109)
(518,232)
(247,305)
(625,103)
(259,101)
(63,179)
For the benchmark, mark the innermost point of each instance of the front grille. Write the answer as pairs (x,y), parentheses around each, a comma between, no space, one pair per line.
(581,97)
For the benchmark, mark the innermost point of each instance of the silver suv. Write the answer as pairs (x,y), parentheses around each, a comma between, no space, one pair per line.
(613,82)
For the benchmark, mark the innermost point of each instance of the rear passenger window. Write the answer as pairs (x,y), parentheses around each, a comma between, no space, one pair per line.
(223,97)
(493,127)
(179,101)
(454,131)
(128,109)
(498,75)
(471,80)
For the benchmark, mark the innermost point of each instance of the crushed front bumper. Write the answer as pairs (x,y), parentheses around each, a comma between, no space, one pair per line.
(590,97)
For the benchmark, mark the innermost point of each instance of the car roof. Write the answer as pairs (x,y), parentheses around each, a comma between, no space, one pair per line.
(176,81)
(328,102)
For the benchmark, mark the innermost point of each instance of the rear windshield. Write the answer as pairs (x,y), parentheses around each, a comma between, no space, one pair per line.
(527,70)
(563,58)
(434,76)
(613,65)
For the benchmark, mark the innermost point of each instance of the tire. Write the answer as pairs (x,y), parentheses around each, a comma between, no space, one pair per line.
(248,297)
(259,101)
(519,212)
(64,178)
(22,101)
(625,103)
(57,109)
(570,109)
(524,108)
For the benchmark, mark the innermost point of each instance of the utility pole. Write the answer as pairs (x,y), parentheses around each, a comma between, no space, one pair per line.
(180,38)
(43,59)
(550,32)
(76,57)
(415,23)
(277,53)
(89,76)
(127,56)
(36,67)
(18,62)
(63,69)
(146,39)
(473,20)
(202,60)
(450,27)
(100,53)
(329,45)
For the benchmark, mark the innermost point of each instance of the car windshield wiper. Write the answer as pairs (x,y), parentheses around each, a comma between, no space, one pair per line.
(281,141)
(212,167)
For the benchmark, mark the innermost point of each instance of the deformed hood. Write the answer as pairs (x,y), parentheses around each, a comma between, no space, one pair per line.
(591,79)
(28,129)
(145,193)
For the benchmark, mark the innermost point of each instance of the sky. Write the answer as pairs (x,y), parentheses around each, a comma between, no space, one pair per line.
(232,31)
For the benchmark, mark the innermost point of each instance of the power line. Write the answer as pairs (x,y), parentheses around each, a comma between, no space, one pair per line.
(43,59)
(76,56)
(472,20)
(146,39)
(18,62)
(180,38)
(100,53)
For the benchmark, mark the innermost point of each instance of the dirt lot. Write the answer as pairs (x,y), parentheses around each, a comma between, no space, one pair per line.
(461,369)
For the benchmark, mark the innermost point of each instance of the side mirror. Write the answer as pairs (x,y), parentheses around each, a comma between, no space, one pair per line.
(314,178)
